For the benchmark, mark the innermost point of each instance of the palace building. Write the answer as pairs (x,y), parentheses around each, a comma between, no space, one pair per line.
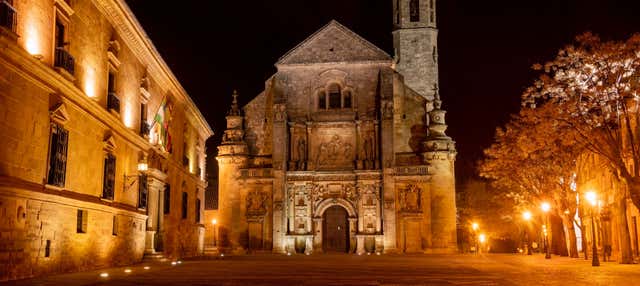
(344,150)
(102,157)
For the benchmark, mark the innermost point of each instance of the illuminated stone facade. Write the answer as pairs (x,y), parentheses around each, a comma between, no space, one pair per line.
(344,150)
(88,179)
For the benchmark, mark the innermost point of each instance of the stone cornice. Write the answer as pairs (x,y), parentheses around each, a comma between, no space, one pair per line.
(120,16)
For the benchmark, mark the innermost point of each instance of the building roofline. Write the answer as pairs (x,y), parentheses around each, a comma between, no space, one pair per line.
(128,27)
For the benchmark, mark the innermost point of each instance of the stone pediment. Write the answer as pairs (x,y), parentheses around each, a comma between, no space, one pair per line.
(334,43)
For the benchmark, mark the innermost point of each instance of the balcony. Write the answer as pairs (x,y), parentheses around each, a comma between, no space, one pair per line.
(113,102)
(7,16)
(64,60)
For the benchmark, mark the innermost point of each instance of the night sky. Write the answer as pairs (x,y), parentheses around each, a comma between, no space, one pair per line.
(486,49)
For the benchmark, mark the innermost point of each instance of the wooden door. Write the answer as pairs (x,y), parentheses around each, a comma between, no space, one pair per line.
(335,230)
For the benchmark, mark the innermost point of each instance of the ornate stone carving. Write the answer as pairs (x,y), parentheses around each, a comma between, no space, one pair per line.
(387,109)
(257,203)
(280,112)
(332,151)
(410,199)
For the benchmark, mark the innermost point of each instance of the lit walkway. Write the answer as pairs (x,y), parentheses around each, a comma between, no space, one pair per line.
(362,270)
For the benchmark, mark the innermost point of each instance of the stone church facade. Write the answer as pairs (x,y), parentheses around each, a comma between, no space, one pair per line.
(344,151)
(102,153)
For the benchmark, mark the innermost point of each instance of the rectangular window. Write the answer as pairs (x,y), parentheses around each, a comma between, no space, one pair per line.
(144,126)
(81,221)
(47,248)
(143,190)
(109,181)
(114,226)
(8,15)
(167,199)
(197,210)
(57,156)
(62,57)
(185,205)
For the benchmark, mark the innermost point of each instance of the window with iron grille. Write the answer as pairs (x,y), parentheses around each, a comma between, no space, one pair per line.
(167,199)
(57,156)
(143,190)
(197,210)
(109,181)
(8,15)
(185,205)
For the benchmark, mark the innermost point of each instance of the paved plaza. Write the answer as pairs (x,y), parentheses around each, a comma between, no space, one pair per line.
(361,270)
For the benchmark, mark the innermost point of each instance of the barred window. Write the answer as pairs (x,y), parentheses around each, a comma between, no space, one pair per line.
(58,156)
(197,210)
(143,191)
(167,199)
(414,11)
(109,181)
(185,205)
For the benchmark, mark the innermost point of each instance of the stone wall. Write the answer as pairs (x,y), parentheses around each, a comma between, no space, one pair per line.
(34,93)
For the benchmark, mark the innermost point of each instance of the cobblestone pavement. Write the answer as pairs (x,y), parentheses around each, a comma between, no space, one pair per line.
(360,270)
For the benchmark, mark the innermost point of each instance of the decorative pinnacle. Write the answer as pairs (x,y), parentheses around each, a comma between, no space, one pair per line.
(436,95)
(234,111)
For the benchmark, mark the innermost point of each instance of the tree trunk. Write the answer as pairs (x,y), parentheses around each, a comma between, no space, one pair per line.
(620,214)
(571,232)
(558,239)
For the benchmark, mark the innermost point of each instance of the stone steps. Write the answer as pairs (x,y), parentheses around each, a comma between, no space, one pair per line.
(154,257)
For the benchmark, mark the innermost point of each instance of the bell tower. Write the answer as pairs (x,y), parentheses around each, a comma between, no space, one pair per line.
(415,41)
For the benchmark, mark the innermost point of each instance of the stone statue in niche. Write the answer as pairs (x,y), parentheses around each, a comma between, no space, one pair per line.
(280,112)
(387,109)
(256,203)
(302,154)
(410,199)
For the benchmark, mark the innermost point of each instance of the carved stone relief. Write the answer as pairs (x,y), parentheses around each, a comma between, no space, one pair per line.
(257,203)
(333,152)
(410,199)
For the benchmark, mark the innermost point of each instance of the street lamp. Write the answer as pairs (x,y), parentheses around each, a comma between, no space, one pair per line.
(474,227)
(592,198)
(215,239)
(526,215)
(545,208)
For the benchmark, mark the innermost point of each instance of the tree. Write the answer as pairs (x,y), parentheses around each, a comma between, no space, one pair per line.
(595,87)
(534,159)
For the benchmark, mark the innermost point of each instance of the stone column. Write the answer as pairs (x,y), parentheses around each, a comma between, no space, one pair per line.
(280,146)
(353,226)
(160,234)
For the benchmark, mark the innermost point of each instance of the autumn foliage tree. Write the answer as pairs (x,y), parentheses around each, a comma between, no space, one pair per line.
(595,87)
(532,160)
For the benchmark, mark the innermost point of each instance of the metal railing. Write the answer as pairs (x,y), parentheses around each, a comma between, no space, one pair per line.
(64,60)
(113,102)
(8,16)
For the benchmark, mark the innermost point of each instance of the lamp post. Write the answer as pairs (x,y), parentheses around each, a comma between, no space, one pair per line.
(481,239)
(545,208)
(215,238)
(592,198)
(527,217)
(474,227)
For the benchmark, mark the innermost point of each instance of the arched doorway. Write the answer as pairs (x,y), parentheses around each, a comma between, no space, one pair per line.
(335,232)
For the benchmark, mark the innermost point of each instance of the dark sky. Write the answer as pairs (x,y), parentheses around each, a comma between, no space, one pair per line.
(486,48)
